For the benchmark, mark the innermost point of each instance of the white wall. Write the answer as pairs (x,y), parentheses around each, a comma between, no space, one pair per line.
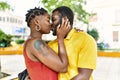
(106,19)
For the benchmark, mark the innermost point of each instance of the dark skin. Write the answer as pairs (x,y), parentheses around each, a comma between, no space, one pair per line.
(84,73)
(38,51)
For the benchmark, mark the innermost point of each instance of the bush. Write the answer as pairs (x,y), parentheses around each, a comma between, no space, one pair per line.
(94,33)
(20,41)
(5,39)
(100,46)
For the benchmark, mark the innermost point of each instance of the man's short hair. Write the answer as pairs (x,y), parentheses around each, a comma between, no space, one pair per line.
(65,11)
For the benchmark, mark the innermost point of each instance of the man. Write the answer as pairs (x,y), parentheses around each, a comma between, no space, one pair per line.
(81,48)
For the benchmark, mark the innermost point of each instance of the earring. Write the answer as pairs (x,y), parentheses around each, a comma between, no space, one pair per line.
(37,28)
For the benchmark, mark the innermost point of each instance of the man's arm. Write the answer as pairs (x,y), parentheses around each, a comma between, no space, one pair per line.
(87,59)
(84,74)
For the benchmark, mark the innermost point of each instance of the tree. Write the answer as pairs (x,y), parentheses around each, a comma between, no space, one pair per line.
(4,5)
(75,5)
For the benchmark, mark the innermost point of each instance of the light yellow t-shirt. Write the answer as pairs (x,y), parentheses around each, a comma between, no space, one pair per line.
(81,50)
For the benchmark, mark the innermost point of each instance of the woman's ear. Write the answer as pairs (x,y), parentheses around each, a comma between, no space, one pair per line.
(36,21)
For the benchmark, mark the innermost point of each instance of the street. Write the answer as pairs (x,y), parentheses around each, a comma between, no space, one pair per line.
(107,68)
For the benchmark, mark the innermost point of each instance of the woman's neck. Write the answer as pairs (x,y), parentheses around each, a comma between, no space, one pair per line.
(36,35)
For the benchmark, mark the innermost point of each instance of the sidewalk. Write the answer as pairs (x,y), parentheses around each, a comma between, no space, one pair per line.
(107,68)
(12,64)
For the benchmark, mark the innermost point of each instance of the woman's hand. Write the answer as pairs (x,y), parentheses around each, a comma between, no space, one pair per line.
(63,29)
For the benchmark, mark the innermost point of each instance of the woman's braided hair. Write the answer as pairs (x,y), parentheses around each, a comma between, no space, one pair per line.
(34,12)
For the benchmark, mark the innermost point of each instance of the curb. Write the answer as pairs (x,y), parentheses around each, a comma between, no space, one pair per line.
(108,54)
(11,52)
(100,53)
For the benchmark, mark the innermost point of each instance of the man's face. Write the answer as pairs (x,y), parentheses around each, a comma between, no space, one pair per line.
(56,20)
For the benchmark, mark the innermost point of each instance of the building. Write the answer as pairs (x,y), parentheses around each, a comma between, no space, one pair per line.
(13,24)
(16,26)
(107,20)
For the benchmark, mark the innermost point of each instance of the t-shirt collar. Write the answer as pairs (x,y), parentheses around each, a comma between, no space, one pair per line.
(70,33)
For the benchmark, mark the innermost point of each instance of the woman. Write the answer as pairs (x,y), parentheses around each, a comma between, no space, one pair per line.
(41,61)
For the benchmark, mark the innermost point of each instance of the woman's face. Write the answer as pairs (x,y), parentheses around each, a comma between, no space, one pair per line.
(44,23)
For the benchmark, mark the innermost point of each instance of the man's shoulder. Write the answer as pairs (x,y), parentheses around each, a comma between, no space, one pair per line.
(80,33)
(52,42)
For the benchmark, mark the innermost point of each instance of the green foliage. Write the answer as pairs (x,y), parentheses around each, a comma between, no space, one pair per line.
(94,33)
(82,14)
(4,5)
(5,39)
(75,5)
(20,41)
(100,46)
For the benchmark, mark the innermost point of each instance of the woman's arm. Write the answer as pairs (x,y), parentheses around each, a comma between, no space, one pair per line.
(49,57)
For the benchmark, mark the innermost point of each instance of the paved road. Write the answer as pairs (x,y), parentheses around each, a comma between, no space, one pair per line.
(12,64)
(107,68)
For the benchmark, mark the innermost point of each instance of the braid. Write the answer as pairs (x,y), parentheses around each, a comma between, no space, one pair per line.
(34,12)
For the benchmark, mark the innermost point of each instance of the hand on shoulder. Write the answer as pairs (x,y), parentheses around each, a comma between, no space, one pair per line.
(78,30)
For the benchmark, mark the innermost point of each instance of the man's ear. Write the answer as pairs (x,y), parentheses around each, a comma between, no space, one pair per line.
(65,18)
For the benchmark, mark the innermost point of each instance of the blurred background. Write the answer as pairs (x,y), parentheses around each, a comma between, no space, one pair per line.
(99,18)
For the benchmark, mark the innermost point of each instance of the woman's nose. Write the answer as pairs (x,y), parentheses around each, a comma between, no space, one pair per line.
(52,26)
